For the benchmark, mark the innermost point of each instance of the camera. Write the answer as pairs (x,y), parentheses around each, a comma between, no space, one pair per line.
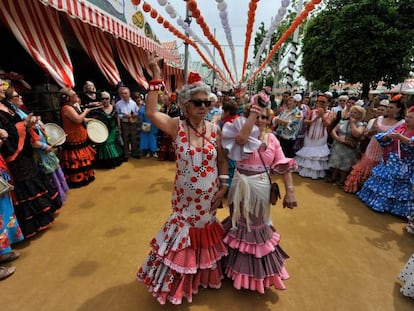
(261,102)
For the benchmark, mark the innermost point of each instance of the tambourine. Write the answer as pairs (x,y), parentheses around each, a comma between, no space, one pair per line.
(56,136)
(97,131)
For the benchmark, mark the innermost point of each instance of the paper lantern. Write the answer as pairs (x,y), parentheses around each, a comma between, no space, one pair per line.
(146,7)
(192,5)
(285,3)
(169,8)
(180,21)
(316,1)
(310,6)
(160,19)
(196,13)
(166,24)
(222,6)
(223,14)
(154,13)
(173,15)
(162,2)
(281,11)
(135,2)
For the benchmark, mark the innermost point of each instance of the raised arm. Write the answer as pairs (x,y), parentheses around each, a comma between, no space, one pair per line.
(161,120)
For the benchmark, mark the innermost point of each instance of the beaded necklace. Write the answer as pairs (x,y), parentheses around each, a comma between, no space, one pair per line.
(198,134)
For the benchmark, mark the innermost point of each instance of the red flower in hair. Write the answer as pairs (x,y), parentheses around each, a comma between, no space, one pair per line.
(193,77)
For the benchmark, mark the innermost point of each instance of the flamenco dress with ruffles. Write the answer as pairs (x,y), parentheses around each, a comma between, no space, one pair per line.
(186,253)
(35,199)
(312,158)
(76,154)
(390,187)
(109,154)
(371,157)
(256,261)
(49,163)
(10,232)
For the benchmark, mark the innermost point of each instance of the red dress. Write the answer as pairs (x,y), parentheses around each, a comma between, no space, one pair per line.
(76,156)
(187,251)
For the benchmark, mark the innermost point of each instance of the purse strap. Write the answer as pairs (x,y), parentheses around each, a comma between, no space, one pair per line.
(264,165)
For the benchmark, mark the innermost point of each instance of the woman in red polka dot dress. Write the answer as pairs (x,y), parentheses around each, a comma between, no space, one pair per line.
(186,253)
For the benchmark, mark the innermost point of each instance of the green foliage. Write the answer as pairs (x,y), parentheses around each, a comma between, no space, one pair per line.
(359,41)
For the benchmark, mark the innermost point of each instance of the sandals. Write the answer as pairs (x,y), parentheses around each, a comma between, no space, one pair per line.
(9,257)
(5,272)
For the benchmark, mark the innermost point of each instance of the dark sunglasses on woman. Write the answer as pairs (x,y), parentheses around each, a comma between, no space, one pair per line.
(199,102)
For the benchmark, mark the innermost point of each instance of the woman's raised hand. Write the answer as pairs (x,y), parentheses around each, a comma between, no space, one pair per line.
(153,63)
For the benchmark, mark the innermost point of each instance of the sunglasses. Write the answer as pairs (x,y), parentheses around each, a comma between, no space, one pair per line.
(105,98)
(199,102)
(263,117)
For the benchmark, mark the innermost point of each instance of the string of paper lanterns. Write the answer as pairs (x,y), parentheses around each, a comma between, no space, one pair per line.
(186,27)
(147,8)
(192,6)
(273,26)
(297,21)
(222,7)
(249,28)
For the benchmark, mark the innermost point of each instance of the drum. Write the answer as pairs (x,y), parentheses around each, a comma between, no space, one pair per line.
(56,136)
(97,131)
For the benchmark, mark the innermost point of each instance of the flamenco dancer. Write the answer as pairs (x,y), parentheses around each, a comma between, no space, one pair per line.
(186,253)
(256,261)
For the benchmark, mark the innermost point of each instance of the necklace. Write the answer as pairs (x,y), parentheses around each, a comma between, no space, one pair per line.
(198,134)
(192,152)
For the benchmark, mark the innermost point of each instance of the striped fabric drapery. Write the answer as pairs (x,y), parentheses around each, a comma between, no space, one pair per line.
(177,73)
(131,57)
(83,11)
(97,45)
(37,29)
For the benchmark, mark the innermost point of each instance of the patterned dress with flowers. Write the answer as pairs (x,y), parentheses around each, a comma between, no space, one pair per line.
(186,253)
(10,232)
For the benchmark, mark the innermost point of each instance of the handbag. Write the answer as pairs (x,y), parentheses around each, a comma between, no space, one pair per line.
(5,187)
(146,127)
(274,187)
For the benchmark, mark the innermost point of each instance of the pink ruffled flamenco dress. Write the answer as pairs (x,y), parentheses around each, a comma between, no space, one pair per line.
(255,261)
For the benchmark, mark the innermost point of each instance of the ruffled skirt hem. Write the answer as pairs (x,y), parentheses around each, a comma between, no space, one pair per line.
(249,282)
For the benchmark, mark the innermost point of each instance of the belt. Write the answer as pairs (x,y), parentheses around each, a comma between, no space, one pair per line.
(249,173)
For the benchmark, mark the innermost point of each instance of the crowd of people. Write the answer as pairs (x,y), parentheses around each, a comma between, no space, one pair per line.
(225,149)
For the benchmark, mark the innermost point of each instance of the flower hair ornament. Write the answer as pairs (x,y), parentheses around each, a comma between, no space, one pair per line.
(194,78)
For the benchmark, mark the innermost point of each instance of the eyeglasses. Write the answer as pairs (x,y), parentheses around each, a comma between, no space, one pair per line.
(199,102)
(105,98)
(263,117)
(16,96)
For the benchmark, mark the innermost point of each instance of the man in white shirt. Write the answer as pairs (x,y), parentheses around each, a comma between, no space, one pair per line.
(127,110)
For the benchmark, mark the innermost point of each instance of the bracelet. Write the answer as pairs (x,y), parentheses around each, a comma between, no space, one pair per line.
(155,85)
(224,176)
(225,184)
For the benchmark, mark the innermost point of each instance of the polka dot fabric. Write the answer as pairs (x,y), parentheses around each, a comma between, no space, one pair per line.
(187,251)
(407,276)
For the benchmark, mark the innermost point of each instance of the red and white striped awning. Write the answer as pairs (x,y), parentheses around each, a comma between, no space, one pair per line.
(89,14)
